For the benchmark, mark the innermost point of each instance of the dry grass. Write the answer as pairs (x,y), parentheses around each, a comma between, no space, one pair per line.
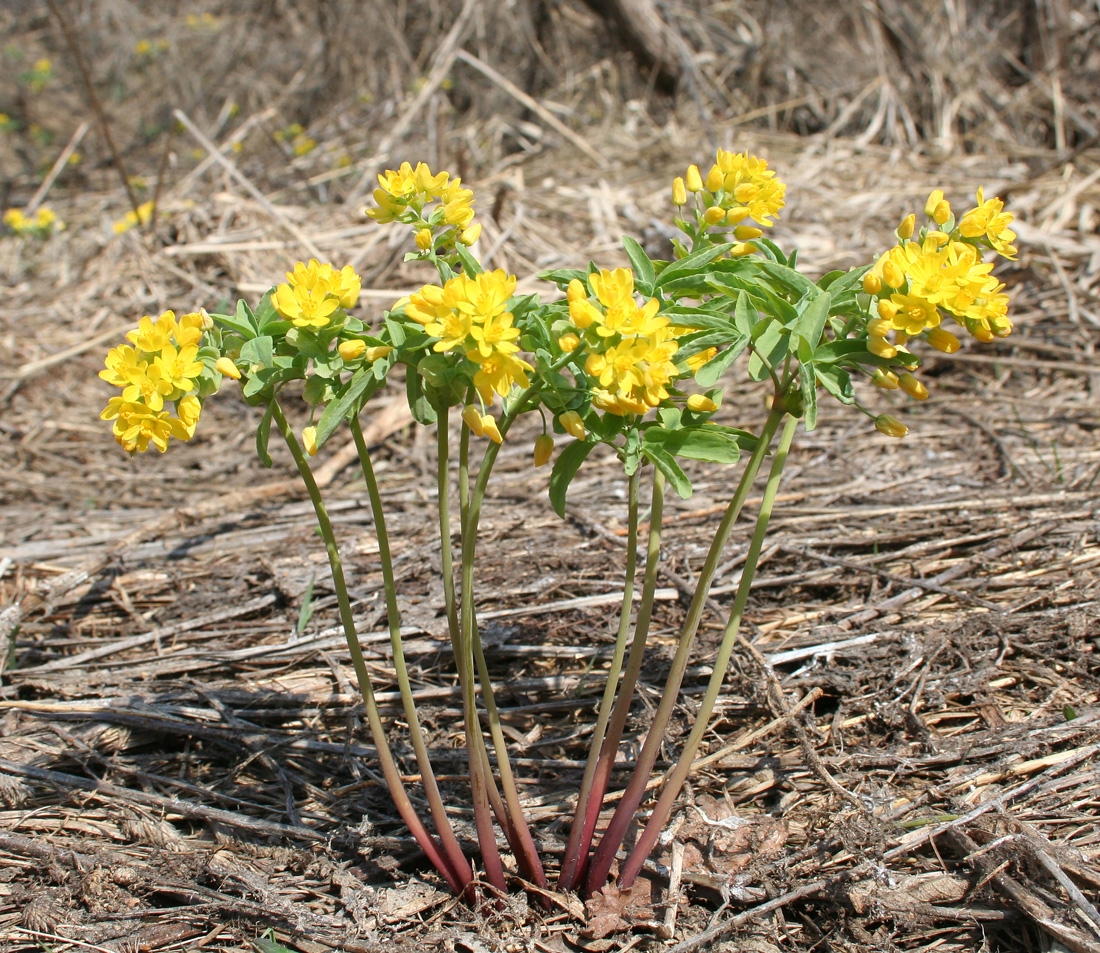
(180,768)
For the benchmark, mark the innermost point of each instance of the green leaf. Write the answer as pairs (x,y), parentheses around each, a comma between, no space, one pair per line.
(241,322)
(794,282)
(696,443)
(811,322)
(469,264)
(836,381)
(422,410)
(263,434)
(266,315)
(745,314)
(770,345)
(687,266)
(565,468)
(562,276)
(664,461)
(259,350)
(362,384)
(644,274)
(808,382)
(708,374)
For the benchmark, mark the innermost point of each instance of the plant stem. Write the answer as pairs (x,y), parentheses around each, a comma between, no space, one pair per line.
(459,863)
(580,835)
(635,789)
(671,790)
(602,756)
(390,772)
(513,821)
(462,645)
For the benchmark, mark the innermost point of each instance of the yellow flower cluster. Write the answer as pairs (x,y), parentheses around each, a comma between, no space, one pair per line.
(630,348)
(916,281)
(737,188)
(313,292)
(41,224)
(142,216)
(158,366)
(405,194)
(469,314)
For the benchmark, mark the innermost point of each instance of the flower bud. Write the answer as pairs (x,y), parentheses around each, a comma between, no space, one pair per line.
(905,229)
(890,426)
(942,212)
(582,313)
(694,180)
(569,342)
(872,283)
(714,179)
(472,418)
(350,350)
(471,234)
(885,379)
(576,291)
(881,348)
(572,424)
(892,274)
(937,238)
(544,448)
(943,340)
(679,192)
(714,215)
(735,216)
(377,352)
(745,233)
(309,440)
(979,331)
(934,199)
(913,387)
(742,248)
(424,239)
(489,428)
(887,310)
(879,327)
(701,404)
(228,368)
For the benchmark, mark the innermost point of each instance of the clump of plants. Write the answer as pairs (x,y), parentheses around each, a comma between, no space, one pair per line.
(637,359)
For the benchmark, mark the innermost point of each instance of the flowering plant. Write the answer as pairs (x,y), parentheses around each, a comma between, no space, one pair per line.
(631,358)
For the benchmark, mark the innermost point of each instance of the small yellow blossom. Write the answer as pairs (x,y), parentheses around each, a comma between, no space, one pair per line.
(693,181)
(905,229)
(679,192)
(885,379)
(990,222)
(943,340)
(471,234)
(489,428)
(569,342)
(376,353)
(872,283)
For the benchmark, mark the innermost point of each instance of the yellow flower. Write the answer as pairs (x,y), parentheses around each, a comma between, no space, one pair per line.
(470,235)
(943,340)
(693,180)
(136,426)
(990,222)
(423,239)
(15,219)
(569,342)
(305,307)
(872,283)
(142,216)
(343,284)
(914,313)
(122,363)
(189,408)
(544,449)
(885,379)
(376,353)
(934,199)
(905,229)
(179,368)
(749,181)
(499,373)
(679,192)
(152,335)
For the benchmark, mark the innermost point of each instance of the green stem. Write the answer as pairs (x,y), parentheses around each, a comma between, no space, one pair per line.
(671,790)
(462,645)
(458,861)
(635,789)
(390,772)
(510,813)
(580,835)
